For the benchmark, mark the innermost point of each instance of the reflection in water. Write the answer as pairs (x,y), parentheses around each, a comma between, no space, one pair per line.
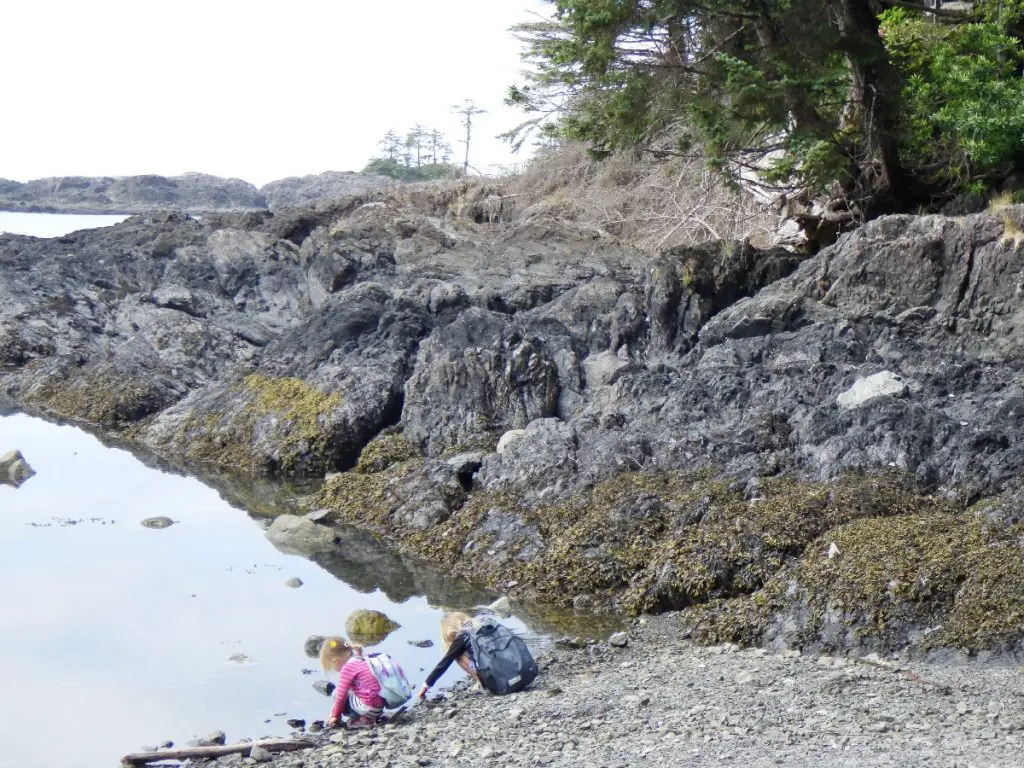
(130,636)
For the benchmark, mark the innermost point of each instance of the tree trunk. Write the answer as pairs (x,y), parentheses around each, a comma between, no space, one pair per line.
(271,745)
(872,110)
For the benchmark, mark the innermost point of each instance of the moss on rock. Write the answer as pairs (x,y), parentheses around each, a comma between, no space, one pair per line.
(646,541)
(369,627)
(934,579)
(104,398)
(280,425)
(384,451)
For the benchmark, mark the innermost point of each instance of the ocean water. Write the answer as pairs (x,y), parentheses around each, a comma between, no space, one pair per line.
(52,224)
(114,636)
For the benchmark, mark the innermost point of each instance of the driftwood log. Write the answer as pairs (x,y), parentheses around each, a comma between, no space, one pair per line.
(271,745)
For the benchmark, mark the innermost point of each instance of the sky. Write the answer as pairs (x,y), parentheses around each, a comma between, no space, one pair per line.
(252,90)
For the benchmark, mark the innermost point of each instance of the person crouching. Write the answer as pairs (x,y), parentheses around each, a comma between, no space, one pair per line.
(357,696)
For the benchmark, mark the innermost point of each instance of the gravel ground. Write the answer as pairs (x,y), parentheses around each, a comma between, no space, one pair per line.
(665,700)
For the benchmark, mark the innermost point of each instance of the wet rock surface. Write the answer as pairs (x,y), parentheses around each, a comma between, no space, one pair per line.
(663,699)
(525,404)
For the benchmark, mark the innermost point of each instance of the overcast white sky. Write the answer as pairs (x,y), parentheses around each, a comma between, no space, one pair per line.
(246,88)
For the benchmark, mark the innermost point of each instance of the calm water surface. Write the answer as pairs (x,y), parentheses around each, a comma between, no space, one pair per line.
(115,636)
(52,224)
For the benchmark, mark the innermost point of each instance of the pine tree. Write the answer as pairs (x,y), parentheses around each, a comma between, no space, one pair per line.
(468,109)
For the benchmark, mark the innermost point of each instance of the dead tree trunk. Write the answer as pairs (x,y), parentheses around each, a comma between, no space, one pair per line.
(271,745)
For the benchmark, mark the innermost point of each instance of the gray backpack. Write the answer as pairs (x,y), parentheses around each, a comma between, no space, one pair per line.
(503,662)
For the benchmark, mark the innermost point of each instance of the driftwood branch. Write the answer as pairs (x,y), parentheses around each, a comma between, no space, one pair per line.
(271,745)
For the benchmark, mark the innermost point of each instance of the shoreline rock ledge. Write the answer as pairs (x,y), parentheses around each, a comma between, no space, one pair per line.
(815,453)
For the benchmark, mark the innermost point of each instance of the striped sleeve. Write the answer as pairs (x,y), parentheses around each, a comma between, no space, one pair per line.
(348,674)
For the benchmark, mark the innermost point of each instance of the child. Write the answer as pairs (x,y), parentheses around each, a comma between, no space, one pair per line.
(358,694)
(455,638)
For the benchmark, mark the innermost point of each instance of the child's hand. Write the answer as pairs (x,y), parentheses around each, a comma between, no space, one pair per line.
(423,692)
(331,723)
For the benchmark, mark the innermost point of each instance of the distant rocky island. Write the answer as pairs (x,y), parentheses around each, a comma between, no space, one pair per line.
(192,192)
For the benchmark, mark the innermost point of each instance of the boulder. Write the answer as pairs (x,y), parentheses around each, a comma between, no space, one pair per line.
(369,627)
(867,388)
(296,535)
(14,470)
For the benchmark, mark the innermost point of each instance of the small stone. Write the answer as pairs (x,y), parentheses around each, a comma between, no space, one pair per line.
(421,643)
(312,645)
(295,582)
(618,640)
(157,523)
(260,755)
(167,744)
(324,687)
(296,722)
(746,677)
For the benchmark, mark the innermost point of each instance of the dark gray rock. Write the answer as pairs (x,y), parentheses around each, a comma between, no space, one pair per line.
(324,687)
(157,523)
(312,645)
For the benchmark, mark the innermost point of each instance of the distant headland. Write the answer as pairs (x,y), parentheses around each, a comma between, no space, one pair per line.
(192,192)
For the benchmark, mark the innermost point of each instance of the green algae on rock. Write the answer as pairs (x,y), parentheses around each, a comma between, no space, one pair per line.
(263,425)
(935,579)
(384,451)
(99,397)
(642,541)
(369,627)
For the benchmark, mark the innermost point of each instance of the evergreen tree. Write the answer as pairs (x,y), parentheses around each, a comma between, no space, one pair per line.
(777,92)
(391,145)
(468,109)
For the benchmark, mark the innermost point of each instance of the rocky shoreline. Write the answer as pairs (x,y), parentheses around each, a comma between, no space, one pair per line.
(802,452)
(664,699)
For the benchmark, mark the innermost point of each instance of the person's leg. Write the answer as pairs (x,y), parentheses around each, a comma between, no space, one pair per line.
(468,667)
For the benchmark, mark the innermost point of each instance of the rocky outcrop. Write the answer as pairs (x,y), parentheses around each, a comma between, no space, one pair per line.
(329,185)
(193,192)
(595,425)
